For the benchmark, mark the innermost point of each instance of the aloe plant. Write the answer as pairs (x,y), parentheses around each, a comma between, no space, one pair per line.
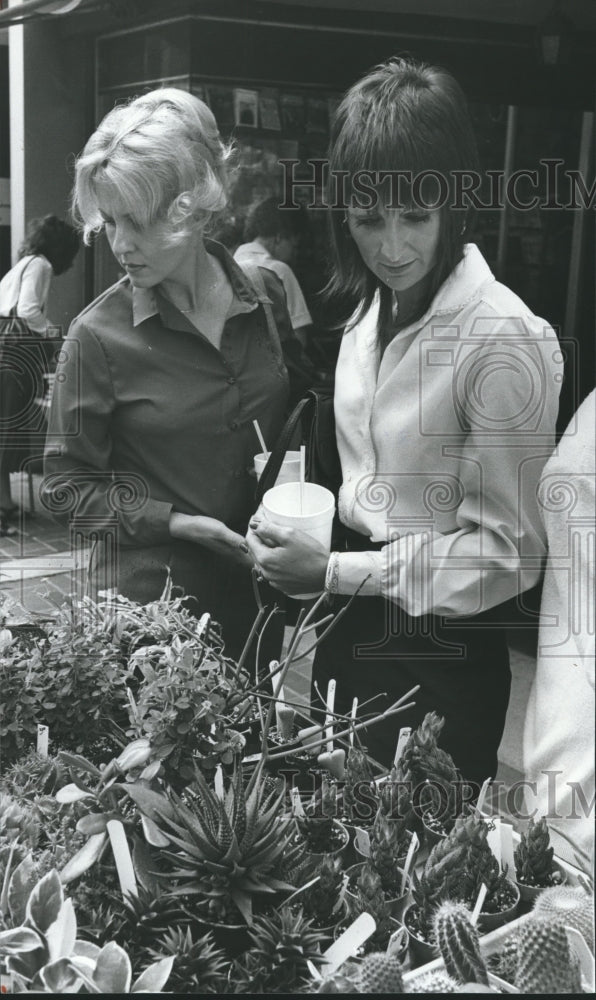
(227,849)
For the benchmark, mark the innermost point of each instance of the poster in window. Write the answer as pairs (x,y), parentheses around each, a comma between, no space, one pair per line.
(269,109)
(246,107)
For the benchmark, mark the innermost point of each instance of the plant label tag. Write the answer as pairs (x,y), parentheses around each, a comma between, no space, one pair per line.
(43,738)
(478,904)
(507,856)
(297,807)
(353,720)
(203,626)
(362,841)
(586,958)
(124,865)
(349,942)
(482,795)
(500,985)
(409,859)
(330,705)
(342,893)
(493,840)
(218,783)
(404,735)
(397,941)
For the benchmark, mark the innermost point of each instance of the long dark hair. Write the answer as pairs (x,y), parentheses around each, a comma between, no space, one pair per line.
(403,116)
(54,239)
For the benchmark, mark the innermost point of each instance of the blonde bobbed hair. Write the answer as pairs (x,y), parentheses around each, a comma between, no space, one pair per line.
(161,158)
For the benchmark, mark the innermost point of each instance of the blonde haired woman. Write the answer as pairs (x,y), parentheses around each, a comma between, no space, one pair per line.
(151,438)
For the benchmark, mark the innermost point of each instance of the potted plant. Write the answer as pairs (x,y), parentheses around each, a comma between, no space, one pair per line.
(535,867)
(319,832)
(322,902)
(225,848)
(369,898)
(283,945)
(389,841)
(434,780)
(456,869)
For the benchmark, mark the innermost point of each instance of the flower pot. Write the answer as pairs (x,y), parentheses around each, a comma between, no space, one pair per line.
(396,904)
(529,893)
(490,921)
(338,851)
(421,951)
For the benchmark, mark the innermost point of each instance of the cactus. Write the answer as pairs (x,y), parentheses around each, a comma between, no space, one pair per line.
(457,939)
(434,982)
(534,856)
(504,962)
(546,963)
(571,905)
(380,973)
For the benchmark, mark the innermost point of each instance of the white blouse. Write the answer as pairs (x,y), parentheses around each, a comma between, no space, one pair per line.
(442,443)
(27,285)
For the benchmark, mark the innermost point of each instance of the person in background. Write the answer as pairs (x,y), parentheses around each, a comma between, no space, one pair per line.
(559,727)
(446,396)
(272,238)
(49,250)
(151,424)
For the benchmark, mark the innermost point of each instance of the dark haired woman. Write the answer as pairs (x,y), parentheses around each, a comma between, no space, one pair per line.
(50,249)
(445,402)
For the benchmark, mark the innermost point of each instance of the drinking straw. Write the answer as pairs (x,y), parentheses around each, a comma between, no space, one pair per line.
(302,475)
(255,424)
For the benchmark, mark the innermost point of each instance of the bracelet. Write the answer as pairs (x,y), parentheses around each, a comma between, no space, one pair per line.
(332,574)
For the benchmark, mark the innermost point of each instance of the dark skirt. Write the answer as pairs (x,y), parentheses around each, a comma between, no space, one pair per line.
(208,582)
(462,667)
(22,367)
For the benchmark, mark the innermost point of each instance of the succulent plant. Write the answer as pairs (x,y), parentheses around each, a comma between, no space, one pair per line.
(455,869)
(359,795)
(321,899)
(432,774)
(572,906)
(199,965)
(457,939)
(369,898)
(33,775)
(226,850)
(379,973)
(389,839)
(533,856)
(503,963)
(44,955)
(138,920)
(433,982)
(277,961)
(546,963)
(395,800)
(17,823)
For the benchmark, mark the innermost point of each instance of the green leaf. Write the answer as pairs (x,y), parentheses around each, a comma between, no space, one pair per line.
(154,978)
(18,940)
(83,859)
(22,882)
(45,902)
(62,934)
(59,977)
(72,793)
(113,972)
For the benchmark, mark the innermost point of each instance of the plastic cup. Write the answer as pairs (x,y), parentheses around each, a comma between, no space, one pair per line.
(290,468)
(281,506)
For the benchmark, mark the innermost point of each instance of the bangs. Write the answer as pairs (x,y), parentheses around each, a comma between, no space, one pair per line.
(137,194)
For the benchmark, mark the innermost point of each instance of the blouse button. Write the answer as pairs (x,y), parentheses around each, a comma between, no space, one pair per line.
(231,381)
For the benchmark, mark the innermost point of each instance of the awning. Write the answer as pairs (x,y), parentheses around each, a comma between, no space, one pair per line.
(21,13)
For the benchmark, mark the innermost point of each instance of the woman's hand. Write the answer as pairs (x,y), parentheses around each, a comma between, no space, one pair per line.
(289,559)
(211,533)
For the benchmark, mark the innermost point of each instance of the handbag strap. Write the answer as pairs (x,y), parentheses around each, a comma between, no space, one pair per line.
(277,454)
